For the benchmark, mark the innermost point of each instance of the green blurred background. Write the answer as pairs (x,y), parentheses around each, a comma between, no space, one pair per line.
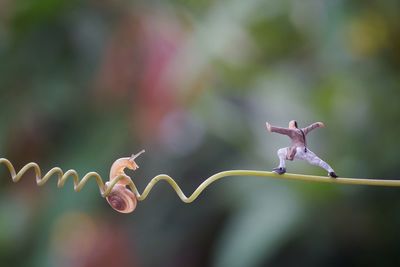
(85,82)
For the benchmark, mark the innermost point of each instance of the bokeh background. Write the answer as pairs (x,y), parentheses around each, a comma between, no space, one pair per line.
(83,83)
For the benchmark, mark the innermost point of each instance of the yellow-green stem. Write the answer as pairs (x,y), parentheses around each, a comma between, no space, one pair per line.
(105,190)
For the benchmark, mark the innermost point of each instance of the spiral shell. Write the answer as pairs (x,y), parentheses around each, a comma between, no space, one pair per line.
(122,199)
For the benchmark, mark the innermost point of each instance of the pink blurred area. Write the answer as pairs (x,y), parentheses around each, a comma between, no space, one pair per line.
(81,240)
(137,67)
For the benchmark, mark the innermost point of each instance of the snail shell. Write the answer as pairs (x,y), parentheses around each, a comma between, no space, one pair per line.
(122,199)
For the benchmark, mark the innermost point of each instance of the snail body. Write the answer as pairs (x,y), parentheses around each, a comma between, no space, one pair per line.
(121,198)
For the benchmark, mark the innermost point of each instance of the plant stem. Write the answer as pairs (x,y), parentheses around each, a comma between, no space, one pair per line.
(265,174)
(105,190)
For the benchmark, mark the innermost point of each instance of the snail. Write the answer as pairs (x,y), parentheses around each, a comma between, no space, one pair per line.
(121,198)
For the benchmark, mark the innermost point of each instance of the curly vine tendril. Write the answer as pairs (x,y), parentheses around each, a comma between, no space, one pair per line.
(105,190)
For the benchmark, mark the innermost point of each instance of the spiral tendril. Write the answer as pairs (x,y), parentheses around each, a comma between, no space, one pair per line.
(106,189)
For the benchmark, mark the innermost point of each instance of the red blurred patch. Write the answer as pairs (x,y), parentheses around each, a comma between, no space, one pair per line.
(135,70)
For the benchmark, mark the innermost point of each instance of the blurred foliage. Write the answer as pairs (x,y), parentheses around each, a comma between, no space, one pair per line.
(193,82)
